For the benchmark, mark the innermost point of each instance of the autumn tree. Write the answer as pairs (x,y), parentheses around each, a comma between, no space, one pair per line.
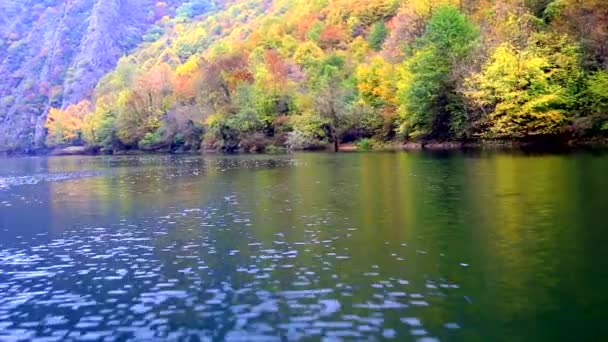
(376,83)
(331,36)
(193,8)
(341,70)
(409,24)
(220,78)
(140,110)
(65,126)
(185,123)
(528,92)
(586,20)
(99,125)
(308,54)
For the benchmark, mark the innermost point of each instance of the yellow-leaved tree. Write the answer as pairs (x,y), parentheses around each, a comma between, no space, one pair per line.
(65,126)
(528,92)
(376,83)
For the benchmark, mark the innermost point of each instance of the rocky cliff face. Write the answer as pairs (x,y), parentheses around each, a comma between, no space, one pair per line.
(53,52)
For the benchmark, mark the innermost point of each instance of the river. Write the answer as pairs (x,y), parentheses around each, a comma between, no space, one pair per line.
(484,246)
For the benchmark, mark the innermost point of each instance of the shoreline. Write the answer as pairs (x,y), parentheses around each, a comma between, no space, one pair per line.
(436,146)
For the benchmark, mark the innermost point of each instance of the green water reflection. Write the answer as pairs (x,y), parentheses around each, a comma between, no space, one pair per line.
(522,236)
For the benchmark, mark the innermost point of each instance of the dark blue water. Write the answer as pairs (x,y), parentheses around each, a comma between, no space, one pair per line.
(404,246)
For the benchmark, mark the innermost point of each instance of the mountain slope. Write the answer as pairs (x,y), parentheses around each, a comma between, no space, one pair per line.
(301,74)
(53,52)
(256,74)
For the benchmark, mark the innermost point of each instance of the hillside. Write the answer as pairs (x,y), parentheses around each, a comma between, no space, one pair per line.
(53,52)
(258,74)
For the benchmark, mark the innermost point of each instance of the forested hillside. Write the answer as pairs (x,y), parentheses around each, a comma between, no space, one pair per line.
(254,75)
(53,52)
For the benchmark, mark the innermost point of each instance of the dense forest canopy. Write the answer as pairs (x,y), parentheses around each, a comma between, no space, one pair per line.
(255,75)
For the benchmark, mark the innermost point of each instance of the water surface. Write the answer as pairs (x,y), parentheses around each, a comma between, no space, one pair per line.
(369,246)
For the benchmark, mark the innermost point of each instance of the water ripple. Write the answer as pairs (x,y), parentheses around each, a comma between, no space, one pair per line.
(175,277)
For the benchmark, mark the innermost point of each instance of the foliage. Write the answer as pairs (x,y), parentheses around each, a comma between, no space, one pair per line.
(53,53)
(376,82)
(65,126)
(300,140)
(596,94)
(429,100)
(585,20)
(365,144)
(248,74)
(192,8)
(377,35)
(153,34)
(528,92)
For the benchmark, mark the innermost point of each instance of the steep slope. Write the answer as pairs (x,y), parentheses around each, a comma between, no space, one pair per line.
(53,52)
(302,74)
(254,74)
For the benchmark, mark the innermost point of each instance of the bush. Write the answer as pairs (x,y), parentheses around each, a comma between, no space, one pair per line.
(274,149)
(365,144)
(152,141)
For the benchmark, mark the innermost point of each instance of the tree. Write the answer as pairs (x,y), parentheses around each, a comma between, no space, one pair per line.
(592,116)
(192,8)
(332,36)
(65,126)
(140,109)
(430,103)
(376,83)
(586,20)
(377,35)
(596,92)
(331,99)
(308,53)
(221,77)
(529,92)
(409,24)
(185,124)
(99,125)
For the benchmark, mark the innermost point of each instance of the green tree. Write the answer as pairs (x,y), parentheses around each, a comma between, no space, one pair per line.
(331,98)
(377,35)
(99,126)
(430,103)
(315,32)
(596,94)
(592,118)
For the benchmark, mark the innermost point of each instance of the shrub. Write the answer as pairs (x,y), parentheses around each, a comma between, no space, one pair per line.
(365,144)
(152,141)
(274,149)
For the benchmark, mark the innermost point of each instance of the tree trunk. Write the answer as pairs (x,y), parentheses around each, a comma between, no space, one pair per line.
(334,134)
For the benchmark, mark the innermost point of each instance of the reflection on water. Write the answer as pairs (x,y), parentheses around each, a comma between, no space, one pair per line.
(352,246)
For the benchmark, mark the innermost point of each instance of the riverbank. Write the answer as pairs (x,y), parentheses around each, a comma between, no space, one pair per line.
(359,146)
